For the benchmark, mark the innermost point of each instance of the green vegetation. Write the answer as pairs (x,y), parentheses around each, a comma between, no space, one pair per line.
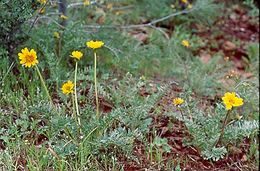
(154,51)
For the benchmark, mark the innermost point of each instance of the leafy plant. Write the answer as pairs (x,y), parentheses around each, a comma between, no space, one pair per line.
(13,16)
(254,10)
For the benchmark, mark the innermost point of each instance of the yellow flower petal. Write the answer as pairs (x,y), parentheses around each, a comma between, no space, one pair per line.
(184,1)
(238,102)
(64,17)
(42,1)
(94,44)
(189,6)
(228,106)
(56,34)
(86,2)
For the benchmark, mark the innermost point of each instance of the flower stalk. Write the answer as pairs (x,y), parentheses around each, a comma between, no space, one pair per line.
(181,112)
(74,109)
(223,128)
(95,80)
(76,98)
(44,86)
(95,45)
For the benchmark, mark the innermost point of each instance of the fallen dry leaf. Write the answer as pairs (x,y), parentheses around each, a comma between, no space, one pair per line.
(142,37)
(205,57)
(229,46)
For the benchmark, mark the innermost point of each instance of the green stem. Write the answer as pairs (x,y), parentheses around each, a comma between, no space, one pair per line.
(44,86)
(95,79)
(76,98)
(89,134)
(181,113)
(74,110)
(223,128)
(68,133)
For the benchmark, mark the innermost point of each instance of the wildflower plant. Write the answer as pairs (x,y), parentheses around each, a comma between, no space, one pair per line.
(95,45)
(230,100)
(185,43)
(216,125)
(13,17)
(28,58)
(178,102)
(77,55)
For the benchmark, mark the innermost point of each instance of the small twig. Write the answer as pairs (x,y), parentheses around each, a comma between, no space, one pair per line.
(123,7)
(150,24)
(72,5)
(63,10)
(170,16)
(53,13)
(36,18)
(55,22)
(75,4)
(161,31)
(112,50)
(53,153)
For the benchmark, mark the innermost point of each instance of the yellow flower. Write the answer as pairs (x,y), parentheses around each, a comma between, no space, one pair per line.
(64,17)
(178,101)
(86,2)
(28,58)
(189,6)
(76,54)
(172,6)
(231,100)
(67,87)
(185,43)
(184,1)
(94,44)
(142,78)
(56,34)
(42,1)
(109,6)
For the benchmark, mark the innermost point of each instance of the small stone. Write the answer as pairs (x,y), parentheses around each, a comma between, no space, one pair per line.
(242,29)
(233,16)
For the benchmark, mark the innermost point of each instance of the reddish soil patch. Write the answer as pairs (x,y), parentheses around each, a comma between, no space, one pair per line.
(230,35)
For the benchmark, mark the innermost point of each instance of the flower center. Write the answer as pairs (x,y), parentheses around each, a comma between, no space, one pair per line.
(231,101)
(68,88)
(29,58)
